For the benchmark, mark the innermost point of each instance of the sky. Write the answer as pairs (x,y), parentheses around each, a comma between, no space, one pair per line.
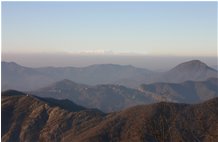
(81,30)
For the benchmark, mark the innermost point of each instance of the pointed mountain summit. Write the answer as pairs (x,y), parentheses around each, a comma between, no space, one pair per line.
(195,65)
(66,83)
(191,70)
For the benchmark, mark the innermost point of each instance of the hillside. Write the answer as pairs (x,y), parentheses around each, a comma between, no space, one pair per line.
(185,92)
(29,118)
(161,122)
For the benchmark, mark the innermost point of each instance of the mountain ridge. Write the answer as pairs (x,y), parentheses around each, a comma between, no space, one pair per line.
(110,97)
(25,118)
(26,79)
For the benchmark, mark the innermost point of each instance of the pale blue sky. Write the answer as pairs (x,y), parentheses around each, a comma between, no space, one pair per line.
(154,35)
(147,28)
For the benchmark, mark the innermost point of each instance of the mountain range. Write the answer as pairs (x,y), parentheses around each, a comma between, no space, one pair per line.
(110,98)
(29,118)
(22,78)
(105,97)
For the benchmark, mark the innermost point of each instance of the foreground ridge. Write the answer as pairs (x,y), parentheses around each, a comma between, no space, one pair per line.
(29,118)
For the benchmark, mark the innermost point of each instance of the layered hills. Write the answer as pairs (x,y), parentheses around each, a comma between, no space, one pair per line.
(104,97)
(30,118)
(18,77)
(185,92)
(110,98)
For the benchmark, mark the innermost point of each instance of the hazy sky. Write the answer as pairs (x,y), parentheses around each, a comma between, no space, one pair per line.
(109,28)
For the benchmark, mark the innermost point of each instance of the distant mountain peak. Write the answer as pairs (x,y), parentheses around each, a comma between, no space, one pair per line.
(193,64)
(192,70)
(110,66)
(65,82)
(13,93)
(9,63)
